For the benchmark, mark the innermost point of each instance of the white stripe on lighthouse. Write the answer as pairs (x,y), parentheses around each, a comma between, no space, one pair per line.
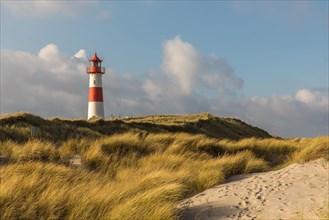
(95,80)
(95,109)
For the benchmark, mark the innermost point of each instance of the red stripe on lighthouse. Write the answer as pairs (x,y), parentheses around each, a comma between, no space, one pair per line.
(95,94)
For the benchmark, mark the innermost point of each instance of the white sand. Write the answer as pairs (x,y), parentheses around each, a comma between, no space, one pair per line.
(298,191)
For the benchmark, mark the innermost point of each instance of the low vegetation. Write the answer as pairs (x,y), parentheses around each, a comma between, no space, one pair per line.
(132,173)
(17,127)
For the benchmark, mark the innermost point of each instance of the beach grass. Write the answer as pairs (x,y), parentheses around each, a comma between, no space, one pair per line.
(132,174)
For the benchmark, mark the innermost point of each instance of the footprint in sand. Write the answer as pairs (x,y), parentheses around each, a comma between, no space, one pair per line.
(244,202)
(237,207)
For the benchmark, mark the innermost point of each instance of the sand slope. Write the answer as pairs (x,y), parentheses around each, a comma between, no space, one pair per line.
(295,192)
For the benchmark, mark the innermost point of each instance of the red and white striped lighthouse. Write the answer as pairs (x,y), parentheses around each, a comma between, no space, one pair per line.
(95,103)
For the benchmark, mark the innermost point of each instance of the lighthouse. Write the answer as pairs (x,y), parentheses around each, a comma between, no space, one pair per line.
(95,102)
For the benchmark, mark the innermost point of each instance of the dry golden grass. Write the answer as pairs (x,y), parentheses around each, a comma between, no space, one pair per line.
(17,127)
(131,175)
(311,149)
(170,119)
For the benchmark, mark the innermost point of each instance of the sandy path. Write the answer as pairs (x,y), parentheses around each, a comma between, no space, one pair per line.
(295,192)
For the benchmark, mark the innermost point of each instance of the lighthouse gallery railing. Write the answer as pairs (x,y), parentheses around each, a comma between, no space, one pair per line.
(94,69)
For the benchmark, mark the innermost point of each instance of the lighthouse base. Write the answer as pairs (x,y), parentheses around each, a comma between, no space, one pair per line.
(95,109)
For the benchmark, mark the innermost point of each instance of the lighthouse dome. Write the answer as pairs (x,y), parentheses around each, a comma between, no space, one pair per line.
(95,58)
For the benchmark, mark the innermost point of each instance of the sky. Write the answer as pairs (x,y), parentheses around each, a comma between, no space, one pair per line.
(264,62)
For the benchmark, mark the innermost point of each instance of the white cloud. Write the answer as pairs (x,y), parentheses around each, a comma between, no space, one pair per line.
(192,70)
(53,84)
(50,53)
(47,84)
(152,89)
(218,74)
(313,97)
(81,54)
(305,114)
(37,8)
(181,61)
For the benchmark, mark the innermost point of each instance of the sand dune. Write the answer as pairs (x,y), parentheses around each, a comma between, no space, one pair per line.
(299,191)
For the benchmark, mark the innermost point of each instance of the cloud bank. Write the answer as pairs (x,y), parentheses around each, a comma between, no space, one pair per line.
(51,83)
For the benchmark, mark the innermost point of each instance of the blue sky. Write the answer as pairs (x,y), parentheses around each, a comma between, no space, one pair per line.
(255,60)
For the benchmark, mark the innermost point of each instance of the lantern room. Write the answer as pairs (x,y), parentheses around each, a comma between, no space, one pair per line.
(95,65)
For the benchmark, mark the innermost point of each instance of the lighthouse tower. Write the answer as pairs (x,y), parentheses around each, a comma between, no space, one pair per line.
(95,103)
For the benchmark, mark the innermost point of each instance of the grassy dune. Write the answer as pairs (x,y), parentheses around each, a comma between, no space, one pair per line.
(17,127)
(131,172)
